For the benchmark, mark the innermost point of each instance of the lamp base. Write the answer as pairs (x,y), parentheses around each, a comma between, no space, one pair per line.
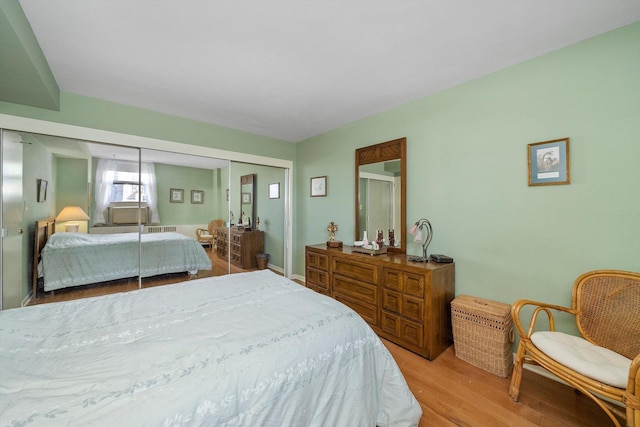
(71,228)
(419,259)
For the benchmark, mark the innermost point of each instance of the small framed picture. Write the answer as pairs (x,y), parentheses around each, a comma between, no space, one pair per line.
(197,197)
(274,190)
(176,195)
(319,186)
(548,162)
(42,190)
(246,198)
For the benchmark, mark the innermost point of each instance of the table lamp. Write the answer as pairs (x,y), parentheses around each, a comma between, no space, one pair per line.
(70,214)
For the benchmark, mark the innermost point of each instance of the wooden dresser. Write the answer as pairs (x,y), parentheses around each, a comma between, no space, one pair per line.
(405,302)
(242,245)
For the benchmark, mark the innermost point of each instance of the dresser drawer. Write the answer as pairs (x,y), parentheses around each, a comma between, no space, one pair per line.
(414,284)
(317,260)
(360,291)
(368,312)
(409,283)
(392,301)
(409,333)
(412,308)
(317,278)
(355,270)
(399,304)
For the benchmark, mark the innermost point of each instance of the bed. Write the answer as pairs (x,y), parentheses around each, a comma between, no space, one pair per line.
(248,349)
(73,259)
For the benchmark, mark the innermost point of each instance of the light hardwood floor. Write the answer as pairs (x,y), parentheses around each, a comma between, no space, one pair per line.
(455,393)
(450,391)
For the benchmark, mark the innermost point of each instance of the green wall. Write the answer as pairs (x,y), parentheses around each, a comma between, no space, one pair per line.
(187,179)
(467,171)
(71,183)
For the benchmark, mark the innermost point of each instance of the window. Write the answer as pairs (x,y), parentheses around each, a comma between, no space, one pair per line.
(126,186)
(119,181)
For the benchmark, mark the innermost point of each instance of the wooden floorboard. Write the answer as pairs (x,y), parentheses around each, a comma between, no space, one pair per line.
(450,391)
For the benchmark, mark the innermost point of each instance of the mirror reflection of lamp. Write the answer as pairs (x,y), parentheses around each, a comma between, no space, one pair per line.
(70,215)
(419,227)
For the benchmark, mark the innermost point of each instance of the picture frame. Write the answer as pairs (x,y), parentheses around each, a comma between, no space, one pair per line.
(548,162)
(274,190)
(42,190)
(197,197)
(176,195)
(246,198)
(318,186)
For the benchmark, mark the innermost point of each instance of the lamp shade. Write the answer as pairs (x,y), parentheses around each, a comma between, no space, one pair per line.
(72,213)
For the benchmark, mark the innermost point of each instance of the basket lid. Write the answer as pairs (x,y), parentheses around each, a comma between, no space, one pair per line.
(485,306)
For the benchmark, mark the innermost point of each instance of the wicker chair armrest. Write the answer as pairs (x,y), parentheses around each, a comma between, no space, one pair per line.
(634,376)
(540,307)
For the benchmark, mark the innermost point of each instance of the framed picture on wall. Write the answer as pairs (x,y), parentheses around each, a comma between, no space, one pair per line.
(548,162)
(246,198)
(274,190)
(319,186)
(42,190)
(197,196)
(176,195)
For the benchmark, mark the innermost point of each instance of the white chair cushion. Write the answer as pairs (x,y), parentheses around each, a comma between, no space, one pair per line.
(590,360)
(206,236)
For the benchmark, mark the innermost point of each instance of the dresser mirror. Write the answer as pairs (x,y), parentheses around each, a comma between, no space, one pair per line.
(247,200)
(381,190)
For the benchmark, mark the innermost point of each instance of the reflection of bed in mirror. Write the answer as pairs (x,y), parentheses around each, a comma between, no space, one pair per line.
(243,349)
(74,259)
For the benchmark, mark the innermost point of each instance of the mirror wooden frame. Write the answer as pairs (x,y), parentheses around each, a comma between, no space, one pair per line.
(249,179)
(386,151)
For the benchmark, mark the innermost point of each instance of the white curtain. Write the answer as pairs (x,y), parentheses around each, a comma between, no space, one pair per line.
(148,179)
(104,182)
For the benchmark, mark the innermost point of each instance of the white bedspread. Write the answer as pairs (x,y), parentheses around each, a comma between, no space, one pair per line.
(73,259)
(250,349)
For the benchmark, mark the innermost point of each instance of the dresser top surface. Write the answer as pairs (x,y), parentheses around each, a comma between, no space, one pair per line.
(399,260)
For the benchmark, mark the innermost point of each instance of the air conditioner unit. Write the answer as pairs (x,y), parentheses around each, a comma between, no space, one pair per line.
(120,215)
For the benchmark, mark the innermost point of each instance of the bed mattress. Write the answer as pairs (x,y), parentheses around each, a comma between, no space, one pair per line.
(249,349)
(73,259)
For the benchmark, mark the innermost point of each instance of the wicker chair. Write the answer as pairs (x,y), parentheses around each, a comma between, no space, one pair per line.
(606,306)
(208,236)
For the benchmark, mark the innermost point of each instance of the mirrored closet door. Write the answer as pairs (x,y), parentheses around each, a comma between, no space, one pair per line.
(83,191)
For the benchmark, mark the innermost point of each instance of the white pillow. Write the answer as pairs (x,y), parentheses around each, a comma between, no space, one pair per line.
(590,360)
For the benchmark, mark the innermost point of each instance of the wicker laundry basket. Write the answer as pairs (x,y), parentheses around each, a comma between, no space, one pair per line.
(483,333)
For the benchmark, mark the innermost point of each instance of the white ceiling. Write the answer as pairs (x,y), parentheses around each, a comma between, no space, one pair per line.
(295,69)
(75,148)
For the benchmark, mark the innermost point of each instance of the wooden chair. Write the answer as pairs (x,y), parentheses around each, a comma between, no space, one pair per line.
(208,236)
(605,362)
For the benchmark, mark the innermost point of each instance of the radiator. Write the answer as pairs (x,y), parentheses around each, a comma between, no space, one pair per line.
(128,215)
(161,229)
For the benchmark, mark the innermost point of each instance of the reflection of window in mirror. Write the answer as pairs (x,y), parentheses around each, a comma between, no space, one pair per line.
(121,184)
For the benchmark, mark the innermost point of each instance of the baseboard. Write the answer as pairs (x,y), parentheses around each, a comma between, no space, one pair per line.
(275,268)
(298,277)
